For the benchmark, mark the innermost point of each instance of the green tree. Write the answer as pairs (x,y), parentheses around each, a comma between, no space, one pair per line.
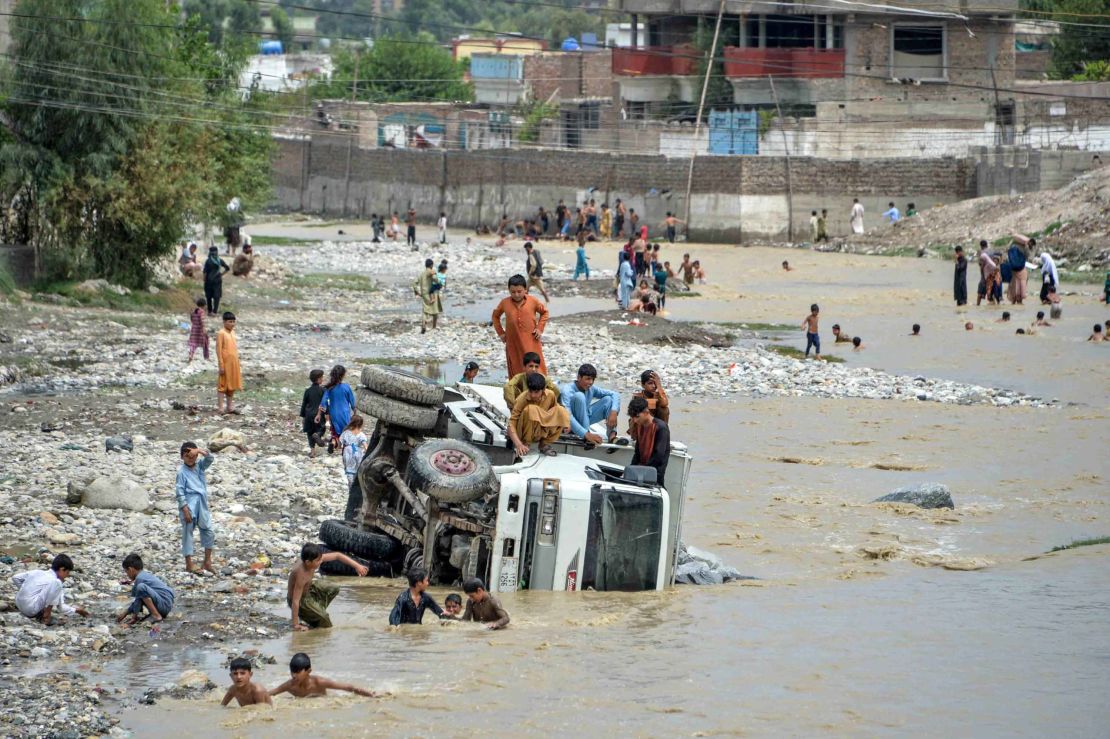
(243,18)
(397,70)
(1078,44)
(114,145)
(283,28)
(212,14)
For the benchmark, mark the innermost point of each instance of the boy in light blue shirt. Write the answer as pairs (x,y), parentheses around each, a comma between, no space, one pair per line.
(589,404)
(192,502)
(148,592)
(893,213)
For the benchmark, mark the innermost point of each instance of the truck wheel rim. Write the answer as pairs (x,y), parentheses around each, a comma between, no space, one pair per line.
(453,462)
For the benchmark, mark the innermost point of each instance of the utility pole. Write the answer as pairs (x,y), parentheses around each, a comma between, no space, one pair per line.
(786,150)
(351,133)
(701,107)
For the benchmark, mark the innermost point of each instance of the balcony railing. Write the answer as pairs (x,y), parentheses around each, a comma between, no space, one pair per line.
(681,59)
(803,62)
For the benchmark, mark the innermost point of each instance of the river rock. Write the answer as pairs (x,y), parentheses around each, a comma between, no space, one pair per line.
(111,492)
(118,444)
(225,438)
(925,495)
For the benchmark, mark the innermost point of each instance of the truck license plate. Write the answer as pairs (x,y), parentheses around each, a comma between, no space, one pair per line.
(507,580)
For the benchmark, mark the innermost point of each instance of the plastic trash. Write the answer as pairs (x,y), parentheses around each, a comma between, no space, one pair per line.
(698,567)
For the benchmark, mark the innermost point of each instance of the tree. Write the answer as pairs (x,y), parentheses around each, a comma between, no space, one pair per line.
(1077,44)
(243,18)
(283,28)
(121,134)
(413,68)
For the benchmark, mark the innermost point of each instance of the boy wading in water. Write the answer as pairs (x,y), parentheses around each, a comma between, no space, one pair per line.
(227,354)
(813,339)
(308,599)
(242,689)
(303,684)
(192,501)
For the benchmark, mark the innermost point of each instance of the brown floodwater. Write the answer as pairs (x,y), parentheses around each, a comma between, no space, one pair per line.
(867,620)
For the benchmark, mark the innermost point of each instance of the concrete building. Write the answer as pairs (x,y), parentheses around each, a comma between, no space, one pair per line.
(916,51)
(464,46)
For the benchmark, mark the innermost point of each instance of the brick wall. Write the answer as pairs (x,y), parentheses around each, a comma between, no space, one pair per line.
(476,186)
(568,75)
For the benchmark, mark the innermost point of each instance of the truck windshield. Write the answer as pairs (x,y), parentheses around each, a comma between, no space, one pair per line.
(623,541)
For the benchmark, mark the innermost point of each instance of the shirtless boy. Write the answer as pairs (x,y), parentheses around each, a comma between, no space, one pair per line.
(303,684)
(308,599)
(813,339)
(242,689)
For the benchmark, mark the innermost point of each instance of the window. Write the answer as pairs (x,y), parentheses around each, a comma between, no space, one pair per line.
(623,540)
(635,110)
(591,116)
(918,53)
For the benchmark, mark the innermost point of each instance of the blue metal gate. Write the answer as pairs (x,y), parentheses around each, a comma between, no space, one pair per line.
(733,132)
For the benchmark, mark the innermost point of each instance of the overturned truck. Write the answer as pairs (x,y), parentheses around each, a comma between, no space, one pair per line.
(441,488)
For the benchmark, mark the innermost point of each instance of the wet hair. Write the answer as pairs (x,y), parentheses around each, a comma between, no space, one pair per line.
(813,308)
(453,598)
(1040,315)
(473,585)
(240,663)
(518,281)
(535,381)
(1005,315)
(917,328)
(429,263)
(356,422)
(532,357)
(1098,328)
(784,263)
(229,316)
(416,575)
(636,406)
(856,341)
(200,302)
(62,562)
(299,663)
(1020,331)
(646,375)
(132,560)
(315,375)
(587,370)
(968,326)
(338,372)
(187,446)
(311,552)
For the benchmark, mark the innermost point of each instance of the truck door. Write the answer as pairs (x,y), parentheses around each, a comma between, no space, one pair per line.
(539,536)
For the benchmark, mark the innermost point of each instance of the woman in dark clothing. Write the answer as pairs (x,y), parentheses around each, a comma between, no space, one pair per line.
(653,439)
(214,271)
(959,286)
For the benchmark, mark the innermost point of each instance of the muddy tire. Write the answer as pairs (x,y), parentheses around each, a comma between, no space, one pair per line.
(341,536)
(376,568)
(400,385)
(449,470)
(414,560)
(396,412)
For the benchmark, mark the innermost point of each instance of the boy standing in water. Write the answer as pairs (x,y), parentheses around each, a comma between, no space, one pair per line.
(227,355)
(242,689)
(411,603)
(303,684)
(813,339)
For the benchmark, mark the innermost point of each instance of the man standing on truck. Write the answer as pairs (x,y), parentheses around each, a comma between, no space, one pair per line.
(589,404)
(536,417)
(525,320)
(483,607)
(653,438)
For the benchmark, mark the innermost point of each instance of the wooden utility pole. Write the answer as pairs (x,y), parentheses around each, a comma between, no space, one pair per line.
(351,133)
(701,107)
(786,150)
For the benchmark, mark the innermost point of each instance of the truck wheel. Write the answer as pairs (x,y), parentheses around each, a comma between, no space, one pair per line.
(414,560)
(400,385)
(376,568)
(343,537)
(396,412)
(449,470)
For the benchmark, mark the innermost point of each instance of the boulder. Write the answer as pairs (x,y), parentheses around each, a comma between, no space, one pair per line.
(118,444)
(925,495)
(110,492)
(225,438)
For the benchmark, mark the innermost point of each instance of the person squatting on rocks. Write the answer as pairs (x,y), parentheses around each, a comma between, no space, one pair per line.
(589,404)
(230,378)
(41,592)
(338,403)
(191,491)
(242,265)
(311,423)
(147,592)
(525,320)
(198,335)
(537,417)
(308,598)
(214,270)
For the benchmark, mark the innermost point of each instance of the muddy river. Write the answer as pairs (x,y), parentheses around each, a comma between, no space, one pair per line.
(866,620)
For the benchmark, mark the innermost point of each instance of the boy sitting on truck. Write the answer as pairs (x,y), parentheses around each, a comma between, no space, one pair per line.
(483,607)
(515,387)
(537,417)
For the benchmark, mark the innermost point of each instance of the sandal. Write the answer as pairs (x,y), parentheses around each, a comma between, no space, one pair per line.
(546,450)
